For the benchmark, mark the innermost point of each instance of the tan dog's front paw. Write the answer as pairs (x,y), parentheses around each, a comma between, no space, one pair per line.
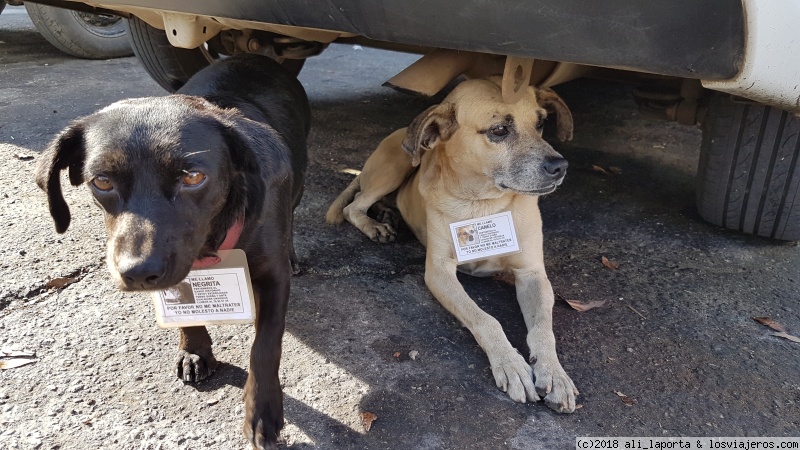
(380,232)
(553,383)
(514,376)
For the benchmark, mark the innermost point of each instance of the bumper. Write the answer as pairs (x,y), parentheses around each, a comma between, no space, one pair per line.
(701,39)
(771,68)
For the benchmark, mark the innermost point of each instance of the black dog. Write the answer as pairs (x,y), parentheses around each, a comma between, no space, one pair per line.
(176,176)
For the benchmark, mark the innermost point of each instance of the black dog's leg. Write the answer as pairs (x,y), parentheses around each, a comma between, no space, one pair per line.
(293,260)
(196,361)
(262,392)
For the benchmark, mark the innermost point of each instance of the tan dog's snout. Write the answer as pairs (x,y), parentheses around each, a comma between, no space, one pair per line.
(535,173)
(555,168)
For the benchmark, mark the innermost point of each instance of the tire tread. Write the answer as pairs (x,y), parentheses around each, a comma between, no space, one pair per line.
(747,174)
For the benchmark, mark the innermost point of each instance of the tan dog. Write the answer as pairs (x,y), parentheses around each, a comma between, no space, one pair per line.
(471,156)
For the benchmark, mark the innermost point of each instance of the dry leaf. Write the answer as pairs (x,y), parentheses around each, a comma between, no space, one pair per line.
(60,282)
(16,362)
(366,419)
(629,401)
(600,170)
(608,263)
(23,156)
(615,170)
(787,336)
(396,354)
(766,321)
(581,307)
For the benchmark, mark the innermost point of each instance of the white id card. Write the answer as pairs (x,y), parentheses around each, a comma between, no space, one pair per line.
(218,295)
(484,237)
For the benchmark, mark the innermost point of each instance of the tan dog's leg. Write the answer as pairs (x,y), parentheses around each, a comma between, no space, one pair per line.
(535,297)
(511,372)
(385,170)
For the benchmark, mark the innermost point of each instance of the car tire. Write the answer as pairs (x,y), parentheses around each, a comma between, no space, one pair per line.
(749,170)
(80,34)
(171,67)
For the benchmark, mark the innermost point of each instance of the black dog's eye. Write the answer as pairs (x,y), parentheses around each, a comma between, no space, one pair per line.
(193,178)
(499,131)
(102,183)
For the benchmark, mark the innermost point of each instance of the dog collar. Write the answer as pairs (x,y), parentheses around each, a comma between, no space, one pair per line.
(230,241)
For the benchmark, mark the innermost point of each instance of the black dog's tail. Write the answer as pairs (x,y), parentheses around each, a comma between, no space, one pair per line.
(335,214)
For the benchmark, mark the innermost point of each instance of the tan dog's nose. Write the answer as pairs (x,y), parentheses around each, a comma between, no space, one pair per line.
(555,168)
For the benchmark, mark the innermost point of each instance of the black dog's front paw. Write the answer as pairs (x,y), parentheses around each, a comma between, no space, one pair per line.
(262,425)
(194,368)
(263,418)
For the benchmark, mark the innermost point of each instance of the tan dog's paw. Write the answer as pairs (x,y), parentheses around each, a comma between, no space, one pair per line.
(557,388)
(380,232)
(386,214)
(514,376)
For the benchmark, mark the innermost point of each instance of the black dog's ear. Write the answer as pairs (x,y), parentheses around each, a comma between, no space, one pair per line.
(248,143)
(66,151)
(550,101)
(435,124)
(242,138)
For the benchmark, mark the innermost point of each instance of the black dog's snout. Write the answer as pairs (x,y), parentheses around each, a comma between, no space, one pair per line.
(144,274)
(555,167)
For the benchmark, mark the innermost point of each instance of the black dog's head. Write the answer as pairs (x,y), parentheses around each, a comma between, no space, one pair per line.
(172,175)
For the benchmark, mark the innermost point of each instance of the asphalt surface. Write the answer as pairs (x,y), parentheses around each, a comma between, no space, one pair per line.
(675,335)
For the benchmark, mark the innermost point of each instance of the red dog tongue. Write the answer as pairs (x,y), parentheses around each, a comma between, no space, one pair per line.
(230,241)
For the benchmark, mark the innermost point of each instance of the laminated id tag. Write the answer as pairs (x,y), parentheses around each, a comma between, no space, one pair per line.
(484,237)
(218,295)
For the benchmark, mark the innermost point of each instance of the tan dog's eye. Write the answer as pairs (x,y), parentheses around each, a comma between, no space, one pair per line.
(193,178)
(102,183)
(540,125)
(499,131)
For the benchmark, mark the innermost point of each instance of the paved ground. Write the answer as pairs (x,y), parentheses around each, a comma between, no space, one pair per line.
(675,335)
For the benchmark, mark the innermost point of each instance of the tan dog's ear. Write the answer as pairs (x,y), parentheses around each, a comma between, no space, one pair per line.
(550,101)
(435,124)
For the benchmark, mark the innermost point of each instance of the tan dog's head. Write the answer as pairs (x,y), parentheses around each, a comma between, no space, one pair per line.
(480,136)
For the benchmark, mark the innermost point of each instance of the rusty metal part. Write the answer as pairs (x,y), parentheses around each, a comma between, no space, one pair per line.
(268,44)
(685,105)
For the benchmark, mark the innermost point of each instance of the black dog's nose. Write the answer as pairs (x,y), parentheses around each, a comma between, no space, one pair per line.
(555,167)
(143,274)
